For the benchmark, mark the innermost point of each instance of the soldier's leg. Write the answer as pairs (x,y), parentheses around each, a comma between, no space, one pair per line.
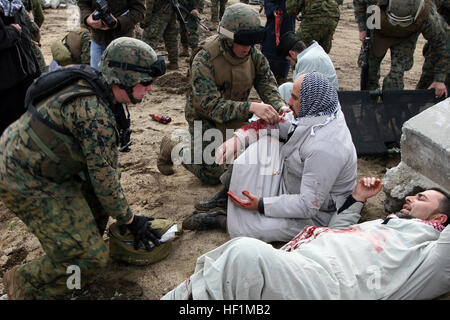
(207,173)
(307,32)
(69,236)
(402,59)
(39,56)
(327,36)
(153,33)
(215,10)
(193,34)
(171,39)
(373,81)
(222,4)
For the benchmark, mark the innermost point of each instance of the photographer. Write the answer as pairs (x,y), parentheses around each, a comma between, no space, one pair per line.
(108,20)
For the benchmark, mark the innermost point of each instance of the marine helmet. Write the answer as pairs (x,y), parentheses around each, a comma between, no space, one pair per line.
(241,23)
(128,61)
(404,12)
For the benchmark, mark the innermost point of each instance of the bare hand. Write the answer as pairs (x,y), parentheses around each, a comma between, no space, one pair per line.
(95,24)
(265,112)
(17,27)
(362,36)
(440,89)
(251,203)
(195,13)
(367,188)
(227,149)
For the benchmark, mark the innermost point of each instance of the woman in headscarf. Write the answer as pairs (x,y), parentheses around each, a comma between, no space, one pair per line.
(298,173)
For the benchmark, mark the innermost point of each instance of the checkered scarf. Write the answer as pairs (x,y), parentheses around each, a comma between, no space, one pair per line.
(317,96)
(9,8)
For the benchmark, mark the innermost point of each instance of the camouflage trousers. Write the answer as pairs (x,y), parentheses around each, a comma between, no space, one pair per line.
(189,37)
(39,56)
(69,230)
(322,33)
(402,59)
(164,26)
(217,9)
(207,173)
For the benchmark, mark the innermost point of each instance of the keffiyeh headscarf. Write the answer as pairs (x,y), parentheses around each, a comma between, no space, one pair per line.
(317,96)
(9,8)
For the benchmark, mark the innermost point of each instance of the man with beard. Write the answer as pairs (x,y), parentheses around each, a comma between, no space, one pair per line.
(404,256)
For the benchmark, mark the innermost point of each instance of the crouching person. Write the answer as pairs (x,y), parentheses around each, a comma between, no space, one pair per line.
(299,177)
(59,168)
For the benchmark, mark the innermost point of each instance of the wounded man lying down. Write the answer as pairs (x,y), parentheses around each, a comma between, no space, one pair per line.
(405,256)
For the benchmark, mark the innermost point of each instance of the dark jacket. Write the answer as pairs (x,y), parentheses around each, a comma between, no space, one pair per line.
(126,22)
(17,60)
(278,65)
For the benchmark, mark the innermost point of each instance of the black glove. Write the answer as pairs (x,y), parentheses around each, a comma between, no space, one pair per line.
(142,231)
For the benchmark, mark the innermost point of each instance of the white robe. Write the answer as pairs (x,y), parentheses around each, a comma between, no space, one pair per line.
(403,259)
(302,182)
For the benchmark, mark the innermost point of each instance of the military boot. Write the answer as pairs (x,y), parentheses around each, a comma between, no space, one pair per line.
(185,52)
(219,201)
(164,163)
(206,221)
(11,284)
(172,65)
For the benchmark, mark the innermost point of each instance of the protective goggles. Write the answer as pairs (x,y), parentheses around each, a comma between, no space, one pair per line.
(403,21)
(157,69)
(244,37)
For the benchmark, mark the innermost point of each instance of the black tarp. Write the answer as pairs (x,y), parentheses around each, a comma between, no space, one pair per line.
(375,119)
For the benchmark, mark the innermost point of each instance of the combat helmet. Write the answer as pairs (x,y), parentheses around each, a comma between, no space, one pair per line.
(128,61)
(404,12)
(241,23)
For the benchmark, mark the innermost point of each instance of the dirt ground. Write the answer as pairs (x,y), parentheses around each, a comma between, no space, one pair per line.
(152,194)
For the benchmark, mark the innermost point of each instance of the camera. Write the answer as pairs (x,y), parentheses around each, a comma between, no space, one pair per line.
(103,13)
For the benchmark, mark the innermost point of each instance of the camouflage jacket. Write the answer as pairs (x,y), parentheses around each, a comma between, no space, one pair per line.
(431,29)
(215,108)
(128,13)
(314,11)
(26,170)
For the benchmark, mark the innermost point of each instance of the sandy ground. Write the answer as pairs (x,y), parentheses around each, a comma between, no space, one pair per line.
(149,193)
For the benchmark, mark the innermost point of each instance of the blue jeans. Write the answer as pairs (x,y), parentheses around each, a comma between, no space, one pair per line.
(96,53)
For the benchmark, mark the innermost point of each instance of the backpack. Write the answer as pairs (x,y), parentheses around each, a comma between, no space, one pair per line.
(52,82)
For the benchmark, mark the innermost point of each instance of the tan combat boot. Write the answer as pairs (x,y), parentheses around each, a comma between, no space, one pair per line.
(164,163)
(11,284)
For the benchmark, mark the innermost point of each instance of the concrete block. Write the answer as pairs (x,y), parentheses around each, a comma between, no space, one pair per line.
(425,149)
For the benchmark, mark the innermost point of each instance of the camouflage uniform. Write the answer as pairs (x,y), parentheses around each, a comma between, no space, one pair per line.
(319,20)
(160,22)
(64,187)
(217,9)
(431,58)
(189,37)
(34,30)
(402,47)
(217,110)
